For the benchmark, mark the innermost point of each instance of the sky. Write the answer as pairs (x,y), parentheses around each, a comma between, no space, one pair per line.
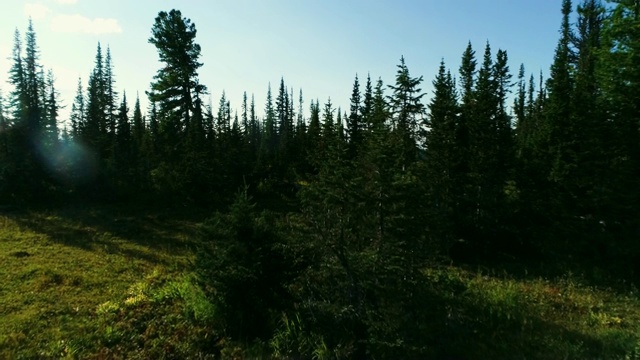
(318,46)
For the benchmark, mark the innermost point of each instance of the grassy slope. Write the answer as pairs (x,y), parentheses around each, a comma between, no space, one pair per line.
(58,267)
(114,283)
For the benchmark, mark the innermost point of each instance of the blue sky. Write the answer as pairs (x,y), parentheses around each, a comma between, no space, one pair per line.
(318,46)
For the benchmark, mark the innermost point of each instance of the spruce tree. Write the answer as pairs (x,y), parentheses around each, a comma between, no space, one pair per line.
(442,156)
(33,82)
(618,76)
(110,98)
(18,96)
(176,83)
(328,124)
(269,128)
(95,127)
(467,73)
(591,131)
(520,107)
(354,121)
(4,146)
(314,135)
(77,116)
(122,147)
(367,104)
(52,108)
(138,124)
(559,126)
(407,109)
(254,125)
(245,116)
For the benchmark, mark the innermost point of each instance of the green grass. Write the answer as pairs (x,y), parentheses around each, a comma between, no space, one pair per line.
(61,269)
(115,283)
(536,318)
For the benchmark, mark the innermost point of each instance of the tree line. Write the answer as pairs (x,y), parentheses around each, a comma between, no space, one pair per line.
(560,162)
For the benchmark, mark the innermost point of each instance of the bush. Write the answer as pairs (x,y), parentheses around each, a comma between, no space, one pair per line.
(242,270)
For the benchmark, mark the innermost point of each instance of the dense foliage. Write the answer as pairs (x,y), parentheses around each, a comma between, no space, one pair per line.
(351,207)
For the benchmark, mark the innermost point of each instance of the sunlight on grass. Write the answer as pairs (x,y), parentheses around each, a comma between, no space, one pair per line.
(59,270)
(564,316)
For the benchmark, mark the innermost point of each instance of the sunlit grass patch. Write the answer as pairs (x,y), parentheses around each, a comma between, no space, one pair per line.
(543,318)
(59,270)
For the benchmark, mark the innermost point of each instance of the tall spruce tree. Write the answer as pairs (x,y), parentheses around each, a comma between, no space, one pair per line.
(591,131)
(407,108)
(122,146)
(467,73)
(618,75)
(367,104)
(18,96)
(354,121)
(269,128)
(52,107)
(94,130)
(110,97)
(33,83)
(77,116)
(442,156)
(559,125)
(176,83)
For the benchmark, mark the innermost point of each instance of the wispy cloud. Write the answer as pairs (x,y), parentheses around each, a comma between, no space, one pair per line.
(81,24)
(36,11)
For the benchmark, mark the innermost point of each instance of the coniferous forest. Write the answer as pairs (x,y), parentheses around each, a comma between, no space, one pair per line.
(374,231)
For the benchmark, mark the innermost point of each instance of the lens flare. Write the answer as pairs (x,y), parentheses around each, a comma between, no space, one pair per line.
(69,161)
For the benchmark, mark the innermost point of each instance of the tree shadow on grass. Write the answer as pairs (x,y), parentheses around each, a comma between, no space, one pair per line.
(113,228)
(461,325)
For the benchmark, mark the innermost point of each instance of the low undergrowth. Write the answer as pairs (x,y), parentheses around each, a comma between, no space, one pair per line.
(110,284)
